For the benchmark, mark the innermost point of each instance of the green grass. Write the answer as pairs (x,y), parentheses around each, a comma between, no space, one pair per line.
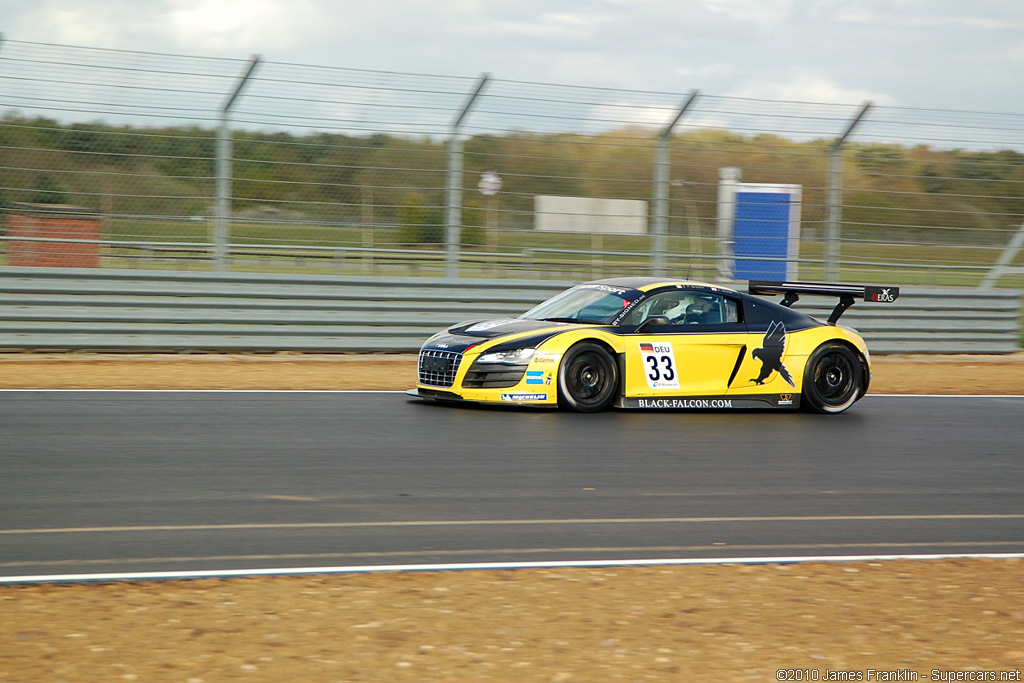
(522,253)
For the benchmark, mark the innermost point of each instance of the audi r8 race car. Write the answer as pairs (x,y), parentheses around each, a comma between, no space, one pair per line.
(642,342)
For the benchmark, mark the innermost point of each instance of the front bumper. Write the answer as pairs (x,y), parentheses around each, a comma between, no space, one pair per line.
(452,376)
(535,399)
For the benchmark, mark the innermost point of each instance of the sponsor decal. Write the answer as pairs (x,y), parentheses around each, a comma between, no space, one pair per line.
(757,402)
(544,358)
(628,308)
(538,377)
(678,403)
(606,288)
(659,365)
(785,399)
(524,397)
(488,324)
(447,342)
(881,294)
(773,345)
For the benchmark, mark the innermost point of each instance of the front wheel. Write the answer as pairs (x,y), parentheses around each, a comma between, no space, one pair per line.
(587,378)
(833,379)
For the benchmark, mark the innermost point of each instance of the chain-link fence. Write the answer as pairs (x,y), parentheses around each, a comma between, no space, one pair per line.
(140,160)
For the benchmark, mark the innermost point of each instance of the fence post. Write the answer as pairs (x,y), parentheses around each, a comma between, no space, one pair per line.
(661,186)
(1002,265)
(222,202)
(453,213)
(728,177)
(834,209)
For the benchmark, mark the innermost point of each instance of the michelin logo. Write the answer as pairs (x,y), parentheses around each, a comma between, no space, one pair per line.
(524,397)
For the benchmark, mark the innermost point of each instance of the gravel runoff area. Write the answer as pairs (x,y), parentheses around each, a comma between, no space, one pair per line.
(948,620)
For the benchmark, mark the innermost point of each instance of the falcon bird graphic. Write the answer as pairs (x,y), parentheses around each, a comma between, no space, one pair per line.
(770,354)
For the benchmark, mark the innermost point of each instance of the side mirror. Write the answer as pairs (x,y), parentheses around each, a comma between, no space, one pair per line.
(653,321)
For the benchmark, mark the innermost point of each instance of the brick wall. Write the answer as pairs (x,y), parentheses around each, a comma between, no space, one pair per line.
(53,222)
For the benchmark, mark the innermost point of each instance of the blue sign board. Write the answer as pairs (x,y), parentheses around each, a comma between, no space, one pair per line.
(765,231)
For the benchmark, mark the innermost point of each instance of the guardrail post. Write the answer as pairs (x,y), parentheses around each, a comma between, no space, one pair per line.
(834,209)
(661,186)
(453,213)
(222,202)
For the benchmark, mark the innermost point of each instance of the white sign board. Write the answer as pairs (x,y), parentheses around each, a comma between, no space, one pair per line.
(592,215)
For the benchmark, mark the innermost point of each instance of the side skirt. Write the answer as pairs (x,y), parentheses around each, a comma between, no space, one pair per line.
(760,401)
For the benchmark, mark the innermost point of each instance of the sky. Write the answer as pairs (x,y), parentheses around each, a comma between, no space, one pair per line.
(933,54)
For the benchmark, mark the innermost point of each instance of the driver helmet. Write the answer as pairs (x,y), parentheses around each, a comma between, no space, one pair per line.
(672,304)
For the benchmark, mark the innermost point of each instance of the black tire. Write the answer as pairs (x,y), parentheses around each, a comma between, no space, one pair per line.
(588,378)
(833,379)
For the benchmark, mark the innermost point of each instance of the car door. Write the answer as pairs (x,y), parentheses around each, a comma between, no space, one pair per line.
(695,354)
(767,367)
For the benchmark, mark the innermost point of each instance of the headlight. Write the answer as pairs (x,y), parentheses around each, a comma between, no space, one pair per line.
(513,357)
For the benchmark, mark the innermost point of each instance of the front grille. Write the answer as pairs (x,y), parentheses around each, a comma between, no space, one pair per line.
(438,368)
(493,376)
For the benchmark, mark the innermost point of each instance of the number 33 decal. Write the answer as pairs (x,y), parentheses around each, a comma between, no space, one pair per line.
(660,366)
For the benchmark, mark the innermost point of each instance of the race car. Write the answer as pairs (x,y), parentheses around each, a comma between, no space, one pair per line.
(644,342)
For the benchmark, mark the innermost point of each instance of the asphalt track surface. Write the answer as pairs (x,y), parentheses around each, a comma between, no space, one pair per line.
(95,481)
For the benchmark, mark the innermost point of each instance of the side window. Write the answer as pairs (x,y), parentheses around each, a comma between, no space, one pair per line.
(669,304)
(705,309)
(687,307)
(731,309)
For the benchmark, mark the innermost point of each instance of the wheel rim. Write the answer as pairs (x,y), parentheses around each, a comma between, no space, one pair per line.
(835,378)
(589,378)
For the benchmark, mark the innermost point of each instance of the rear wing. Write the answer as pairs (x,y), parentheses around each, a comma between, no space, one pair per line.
(848,294)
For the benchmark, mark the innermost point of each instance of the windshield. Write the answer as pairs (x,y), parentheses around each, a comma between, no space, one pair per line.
(584,304)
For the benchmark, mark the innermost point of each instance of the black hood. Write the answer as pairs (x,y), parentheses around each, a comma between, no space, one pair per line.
(491,329)
(460,337)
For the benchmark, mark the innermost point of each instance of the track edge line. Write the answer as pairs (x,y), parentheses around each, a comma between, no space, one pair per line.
(567,564)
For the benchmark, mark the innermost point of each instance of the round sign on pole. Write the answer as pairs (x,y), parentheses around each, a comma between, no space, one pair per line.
(489,184)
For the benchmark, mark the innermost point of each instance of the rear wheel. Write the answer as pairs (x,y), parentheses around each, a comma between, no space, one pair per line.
(588,379)
(833,379)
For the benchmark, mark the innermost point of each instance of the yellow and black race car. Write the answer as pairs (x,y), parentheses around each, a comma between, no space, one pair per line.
(641,342)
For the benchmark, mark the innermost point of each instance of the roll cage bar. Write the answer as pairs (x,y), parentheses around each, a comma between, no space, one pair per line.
(848,294)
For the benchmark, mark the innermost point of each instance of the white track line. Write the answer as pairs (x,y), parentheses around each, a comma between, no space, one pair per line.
(570,564)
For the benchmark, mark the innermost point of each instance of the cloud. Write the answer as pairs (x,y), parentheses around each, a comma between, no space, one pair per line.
(95,24)
(233,26)
(930,21)
(626,114)
(714,71)
(754,11)
(810,87)
(924,52)
(545,26)
(200,27)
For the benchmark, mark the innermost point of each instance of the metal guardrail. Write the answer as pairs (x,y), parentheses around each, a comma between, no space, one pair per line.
(934,321)
(106,309)
(131,310)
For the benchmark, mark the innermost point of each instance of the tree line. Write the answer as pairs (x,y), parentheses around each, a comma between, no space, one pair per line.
(392,180)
